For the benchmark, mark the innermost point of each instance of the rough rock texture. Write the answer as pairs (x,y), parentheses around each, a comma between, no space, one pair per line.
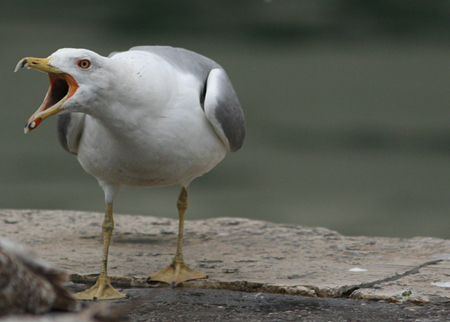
(241,254)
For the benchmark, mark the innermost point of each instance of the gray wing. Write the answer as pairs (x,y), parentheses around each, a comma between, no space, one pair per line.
(182,59)
(223,110)
(217,96)
(70,129)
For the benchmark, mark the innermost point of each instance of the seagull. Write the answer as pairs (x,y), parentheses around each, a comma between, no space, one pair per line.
(29,284)
(148,117)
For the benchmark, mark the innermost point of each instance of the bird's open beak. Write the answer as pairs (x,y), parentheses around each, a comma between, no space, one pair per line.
(62,87)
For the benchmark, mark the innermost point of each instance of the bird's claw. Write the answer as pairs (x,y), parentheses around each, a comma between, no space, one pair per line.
(176,273)
(102,290)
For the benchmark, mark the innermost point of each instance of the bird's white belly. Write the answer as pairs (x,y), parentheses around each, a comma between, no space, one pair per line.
(157,157)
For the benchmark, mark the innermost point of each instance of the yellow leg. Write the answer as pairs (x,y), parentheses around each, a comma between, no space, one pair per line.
(177,272)
(103,289)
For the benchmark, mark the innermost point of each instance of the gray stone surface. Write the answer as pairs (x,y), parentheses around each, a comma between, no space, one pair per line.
(241,254)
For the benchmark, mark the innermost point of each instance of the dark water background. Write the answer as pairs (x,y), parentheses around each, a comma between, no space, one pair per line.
(347,106)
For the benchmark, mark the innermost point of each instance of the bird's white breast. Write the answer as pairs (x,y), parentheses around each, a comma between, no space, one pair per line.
(159,137)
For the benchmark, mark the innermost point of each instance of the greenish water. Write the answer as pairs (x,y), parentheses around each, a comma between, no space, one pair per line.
(353,137)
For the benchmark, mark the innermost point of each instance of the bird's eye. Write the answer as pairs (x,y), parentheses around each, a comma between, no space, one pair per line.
(84,63)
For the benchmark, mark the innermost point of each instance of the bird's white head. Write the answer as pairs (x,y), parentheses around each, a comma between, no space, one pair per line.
(76,78)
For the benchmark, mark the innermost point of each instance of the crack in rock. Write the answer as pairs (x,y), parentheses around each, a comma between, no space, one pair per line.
(348,290)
